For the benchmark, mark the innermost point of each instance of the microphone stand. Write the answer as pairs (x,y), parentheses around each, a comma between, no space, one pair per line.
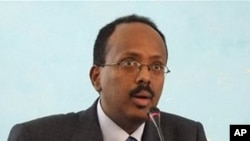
(154,115)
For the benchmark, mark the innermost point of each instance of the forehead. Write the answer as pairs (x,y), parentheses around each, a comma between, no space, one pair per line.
(136,39)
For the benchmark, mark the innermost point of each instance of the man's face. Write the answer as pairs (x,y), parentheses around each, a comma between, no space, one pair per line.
(141,43)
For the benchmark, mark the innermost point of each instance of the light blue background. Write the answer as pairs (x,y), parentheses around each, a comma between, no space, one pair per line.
(46,53)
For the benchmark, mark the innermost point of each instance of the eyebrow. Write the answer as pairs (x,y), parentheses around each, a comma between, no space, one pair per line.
(135,55)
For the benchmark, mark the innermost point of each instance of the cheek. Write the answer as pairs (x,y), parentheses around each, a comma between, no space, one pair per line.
(158,85)
(113,83)
(106,81)
(115,91)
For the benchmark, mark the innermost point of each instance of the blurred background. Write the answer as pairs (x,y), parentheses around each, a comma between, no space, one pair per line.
(46,53)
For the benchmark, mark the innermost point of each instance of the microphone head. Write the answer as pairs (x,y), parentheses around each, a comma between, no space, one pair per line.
(154,115)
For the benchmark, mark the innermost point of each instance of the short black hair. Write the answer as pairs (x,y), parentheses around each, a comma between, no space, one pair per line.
(107,30)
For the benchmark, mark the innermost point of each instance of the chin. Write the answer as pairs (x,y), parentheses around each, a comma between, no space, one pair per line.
(140,114)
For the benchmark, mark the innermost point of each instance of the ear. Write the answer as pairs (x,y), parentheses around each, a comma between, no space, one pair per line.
(94,75)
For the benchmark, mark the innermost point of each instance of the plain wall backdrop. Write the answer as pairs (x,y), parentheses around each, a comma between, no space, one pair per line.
(46,53)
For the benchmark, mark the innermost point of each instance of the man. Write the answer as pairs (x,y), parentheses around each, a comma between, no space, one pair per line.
(130,59)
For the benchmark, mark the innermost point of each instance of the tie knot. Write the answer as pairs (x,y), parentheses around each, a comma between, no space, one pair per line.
(131,139)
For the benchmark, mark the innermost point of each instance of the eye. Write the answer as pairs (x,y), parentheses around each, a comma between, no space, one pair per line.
(127,63)
(157,67)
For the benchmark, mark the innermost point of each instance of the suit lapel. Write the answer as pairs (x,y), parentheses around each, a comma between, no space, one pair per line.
(88,128)
(150,132)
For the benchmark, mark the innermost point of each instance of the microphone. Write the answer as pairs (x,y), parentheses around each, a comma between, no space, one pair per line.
(154,115)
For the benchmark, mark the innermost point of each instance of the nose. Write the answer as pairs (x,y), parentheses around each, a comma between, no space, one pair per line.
(143,76)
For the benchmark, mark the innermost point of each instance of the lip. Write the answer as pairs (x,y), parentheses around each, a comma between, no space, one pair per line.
(142,99)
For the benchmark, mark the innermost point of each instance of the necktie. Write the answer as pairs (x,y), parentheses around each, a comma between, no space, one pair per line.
(131,139)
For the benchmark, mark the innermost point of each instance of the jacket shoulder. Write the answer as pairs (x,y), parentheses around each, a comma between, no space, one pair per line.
(176,118)
(54,121)
(183,128)
(48,128)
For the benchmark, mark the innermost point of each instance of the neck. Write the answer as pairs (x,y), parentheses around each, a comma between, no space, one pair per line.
(128,125)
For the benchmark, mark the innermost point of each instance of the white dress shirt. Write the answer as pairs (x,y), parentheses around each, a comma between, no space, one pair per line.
(111,131)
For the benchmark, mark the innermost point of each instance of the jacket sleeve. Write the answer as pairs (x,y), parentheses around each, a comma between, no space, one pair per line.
(19,133)
(200,132)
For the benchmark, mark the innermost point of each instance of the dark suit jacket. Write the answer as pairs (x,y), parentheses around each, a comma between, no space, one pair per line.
(84,126)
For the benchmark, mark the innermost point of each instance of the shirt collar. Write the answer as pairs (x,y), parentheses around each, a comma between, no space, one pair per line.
(111,131)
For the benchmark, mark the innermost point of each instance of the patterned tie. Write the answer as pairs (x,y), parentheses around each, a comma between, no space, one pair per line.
(131,139)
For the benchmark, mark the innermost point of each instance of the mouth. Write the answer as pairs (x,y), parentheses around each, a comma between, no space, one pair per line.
(142,99)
